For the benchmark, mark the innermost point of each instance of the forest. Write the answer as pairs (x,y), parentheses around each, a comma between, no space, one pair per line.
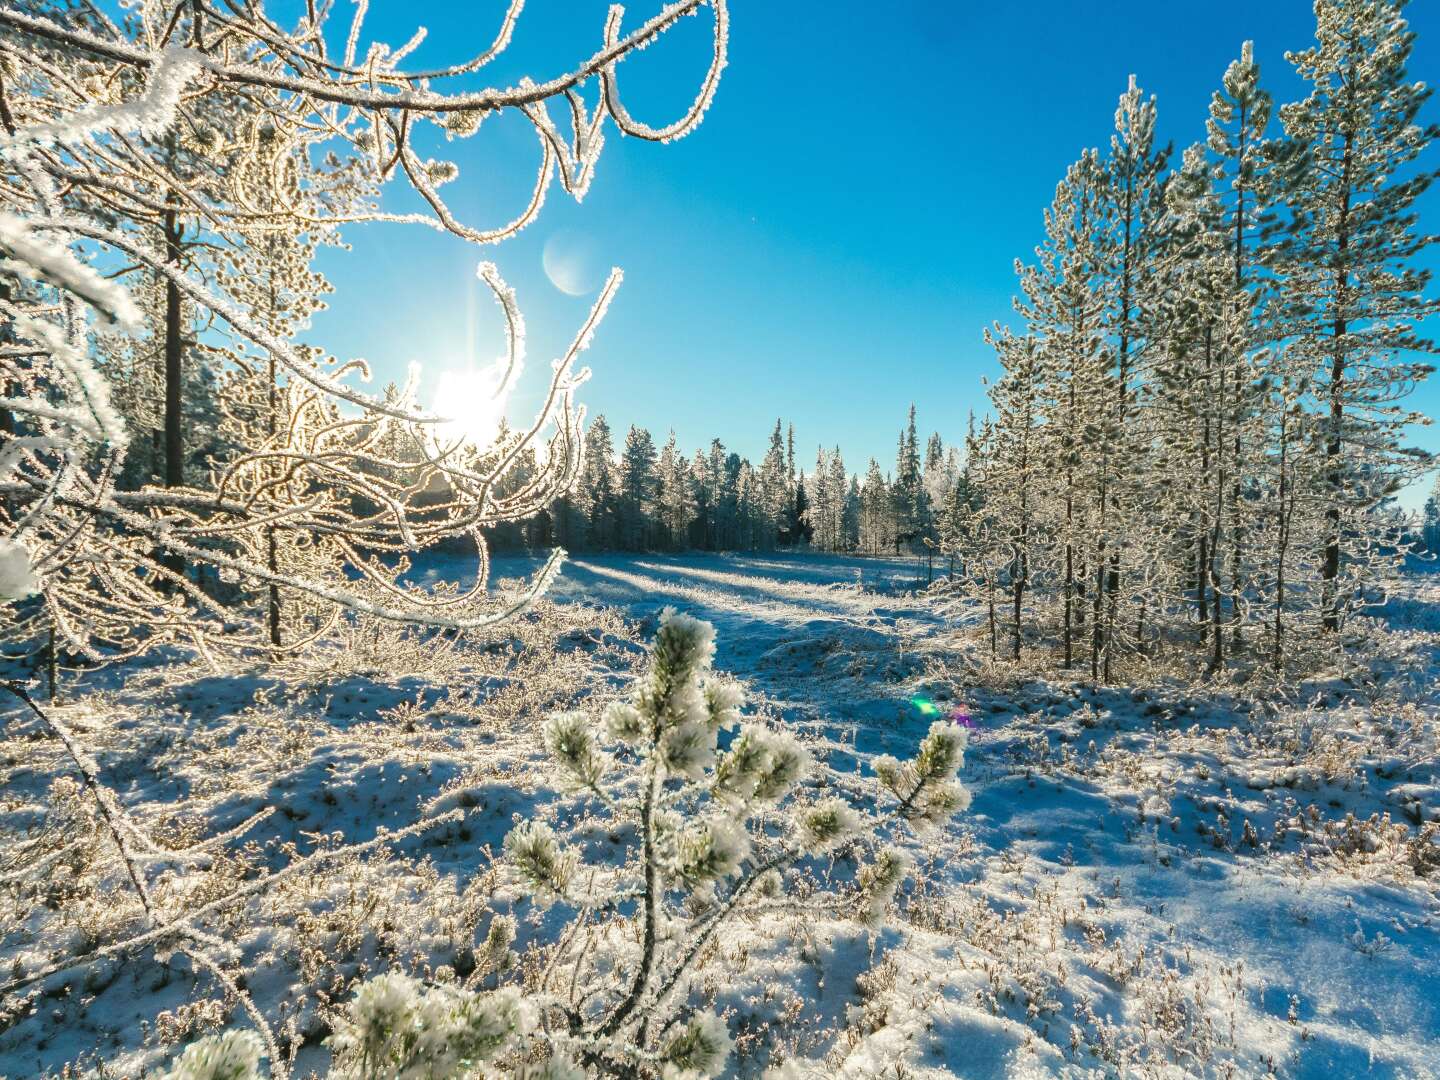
(1096,734)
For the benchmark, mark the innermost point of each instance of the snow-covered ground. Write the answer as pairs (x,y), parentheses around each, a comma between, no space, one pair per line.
(1150,882)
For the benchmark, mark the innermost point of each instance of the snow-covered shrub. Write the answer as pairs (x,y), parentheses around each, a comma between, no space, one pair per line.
(235,1055)
(715,811)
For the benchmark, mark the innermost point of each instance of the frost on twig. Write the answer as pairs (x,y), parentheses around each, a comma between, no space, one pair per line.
(173,174)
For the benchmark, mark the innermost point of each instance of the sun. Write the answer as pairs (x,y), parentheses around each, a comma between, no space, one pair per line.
(472,402)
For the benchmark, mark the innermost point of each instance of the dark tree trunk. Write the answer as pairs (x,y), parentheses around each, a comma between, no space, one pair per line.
(174,353)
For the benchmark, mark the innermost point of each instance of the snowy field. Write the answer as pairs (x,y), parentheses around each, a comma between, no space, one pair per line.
(1150,881)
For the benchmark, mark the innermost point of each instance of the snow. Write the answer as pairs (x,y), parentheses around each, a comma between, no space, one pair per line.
(1151,881)
(149,114)
(33,257)
(17,577)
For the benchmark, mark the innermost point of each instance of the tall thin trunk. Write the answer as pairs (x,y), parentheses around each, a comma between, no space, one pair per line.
(994,640)
(1069,586)
(1330,573)
(1110,581)
(1018,591)
(1283,543)
(272,560)
(174,371)
(173,471)
(1237,586)
(1203,554)
(1217,644)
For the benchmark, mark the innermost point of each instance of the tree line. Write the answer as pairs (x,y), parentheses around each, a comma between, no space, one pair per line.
(640,497)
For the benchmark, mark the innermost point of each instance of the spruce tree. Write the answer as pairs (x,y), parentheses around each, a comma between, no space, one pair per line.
(774,493)
(637,490)
(596,494)
(675,496)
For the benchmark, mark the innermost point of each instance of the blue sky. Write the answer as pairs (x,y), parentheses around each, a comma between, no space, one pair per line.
(830,244)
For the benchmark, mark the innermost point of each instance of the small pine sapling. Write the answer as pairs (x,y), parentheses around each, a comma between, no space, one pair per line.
(713,830)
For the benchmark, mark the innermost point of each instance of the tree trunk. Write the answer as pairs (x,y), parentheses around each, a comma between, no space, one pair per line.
(1330,574)
(52,666)
(272,560)
(1282,541)
(174,372)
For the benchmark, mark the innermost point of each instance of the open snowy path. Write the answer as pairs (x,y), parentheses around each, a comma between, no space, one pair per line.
(826,640)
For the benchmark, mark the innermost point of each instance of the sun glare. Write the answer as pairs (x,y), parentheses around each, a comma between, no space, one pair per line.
(472,400)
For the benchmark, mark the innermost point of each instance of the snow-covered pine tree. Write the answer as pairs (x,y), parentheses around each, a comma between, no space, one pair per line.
(1014,480)
(908,490)
(726,470)
(775,498)
(877,511)
(675,496)
(1353,291)
(638,487)
(941,466)
(596,493)
(1237,138)
(1063,300)
(850,517)
(1207,394)
(752,521)
(1132,259)
(826,510)
(706,491)
(794,529)
(818,504)
(979,536)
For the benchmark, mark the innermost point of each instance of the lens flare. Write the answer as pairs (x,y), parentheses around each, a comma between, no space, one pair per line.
(927,707)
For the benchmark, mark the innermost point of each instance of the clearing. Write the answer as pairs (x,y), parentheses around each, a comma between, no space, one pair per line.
(1151,881)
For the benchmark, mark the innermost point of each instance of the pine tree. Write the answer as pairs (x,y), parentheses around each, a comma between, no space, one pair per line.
(850,516)
(1352,290)
(940,474)
(877,511)
(1064,297)
(637,491)
(1016,467)
(726,469)
(774,495)
(1237,139)
(908,491)
(596,494)
(825,514)
(675,496)
(1135,213)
